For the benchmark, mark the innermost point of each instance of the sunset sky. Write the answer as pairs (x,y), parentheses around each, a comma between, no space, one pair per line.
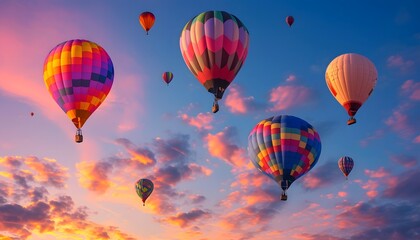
(205,184)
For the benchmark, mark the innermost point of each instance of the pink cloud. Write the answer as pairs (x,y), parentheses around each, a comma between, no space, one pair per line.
(291,78)
(417,139)
(342,194)
(376,135)
(202,121)
(285,97)
(404,160)
(236,102)
(399,122)
(398,61)
(197,169)
(380,173)
(251,178)
(371,188)
(221,145)
(233,198)
(412,89)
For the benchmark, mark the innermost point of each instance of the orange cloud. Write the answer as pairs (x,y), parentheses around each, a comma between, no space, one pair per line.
(220,146)
(202,121)
(94,176)
(233,198)
(252,178)
(45,171)
(342,194)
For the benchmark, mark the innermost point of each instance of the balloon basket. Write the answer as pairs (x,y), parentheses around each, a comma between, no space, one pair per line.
(215,107)
(351,121)
(78,137)
(284,197)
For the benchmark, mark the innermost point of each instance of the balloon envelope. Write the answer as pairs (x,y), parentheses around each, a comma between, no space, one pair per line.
(167,77)
(147,19)
(79,75)
(290,20)
(284,148)
(346,165)
(144,187)
(351,78)
(214,45)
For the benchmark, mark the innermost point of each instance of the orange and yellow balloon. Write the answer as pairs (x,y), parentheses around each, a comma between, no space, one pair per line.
(147,19)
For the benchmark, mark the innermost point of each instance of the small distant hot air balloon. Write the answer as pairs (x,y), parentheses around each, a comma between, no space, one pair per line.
(214,45)
(284,148)
(351,78)
(167,77)
(346,165)
(147,19)
(289,20)
(79,75)
(144,187)
(32,114)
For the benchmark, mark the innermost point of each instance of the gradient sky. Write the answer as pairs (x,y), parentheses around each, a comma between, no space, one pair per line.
(205,185)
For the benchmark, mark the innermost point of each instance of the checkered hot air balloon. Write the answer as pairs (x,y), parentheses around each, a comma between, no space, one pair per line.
(144,187)
(78,75)
(214,45)
(284,148)
(346,165)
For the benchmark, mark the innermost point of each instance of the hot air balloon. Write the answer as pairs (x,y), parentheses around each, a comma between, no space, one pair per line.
(147,19)
(78,75)
(346,165)
(351,78)
(289,20)
(167,77)
(144,187)
(284,148)
(32,114)
(214,45)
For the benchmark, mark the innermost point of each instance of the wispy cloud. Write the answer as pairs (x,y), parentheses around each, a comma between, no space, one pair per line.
(238,103)
(321,176)
(378,134)
(400,123)
(411,89)
(406,187)
(397,61)
(291,78)
(404,160)
(285,97)
(222,145)
(202,121)
(185,219)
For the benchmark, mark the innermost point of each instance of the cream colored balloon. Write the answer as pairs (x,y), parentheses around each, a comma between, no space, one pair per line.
(351,78)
